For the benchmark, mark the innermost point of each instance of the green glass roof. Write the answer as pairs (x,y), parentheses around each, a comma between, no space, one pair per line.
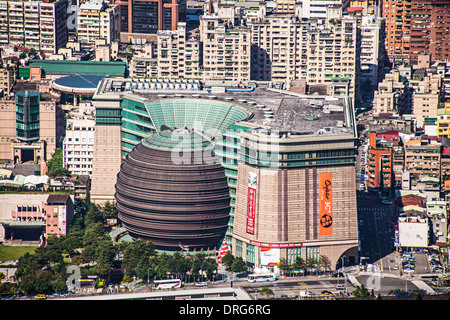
(210,117)
(177,140)
(69,67)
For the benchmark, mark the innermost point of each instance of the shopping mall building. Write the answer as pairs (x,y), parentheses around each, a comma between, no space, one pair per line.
(289,160)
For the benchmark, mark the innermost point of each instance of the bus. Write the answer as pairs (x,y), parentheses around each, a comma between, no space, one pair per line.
(261,277)
(167,284)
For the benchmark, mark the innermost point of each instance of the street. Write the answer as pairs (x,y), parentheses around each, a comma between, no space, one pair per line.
(376,227)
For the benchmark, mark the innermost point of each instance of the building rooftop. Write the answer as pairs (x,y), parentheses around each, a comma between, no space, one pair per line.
(70,67)
(270,108)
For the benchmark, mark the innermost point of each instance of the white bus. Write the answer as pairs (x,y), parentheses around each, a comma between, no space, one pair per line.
(261,277)
(167,284)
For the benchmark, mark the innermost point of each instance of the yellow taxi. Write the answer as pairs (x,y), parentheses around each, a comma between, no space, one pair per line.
(326,294)
(40,297)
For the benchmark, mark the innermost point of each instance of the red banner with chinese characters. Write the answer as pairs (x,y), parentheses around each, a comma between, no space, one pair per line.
(326,204)
(251,203)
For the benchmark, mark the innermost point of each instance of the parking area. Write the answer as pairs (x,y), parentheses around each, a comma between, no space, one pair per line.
(419,263)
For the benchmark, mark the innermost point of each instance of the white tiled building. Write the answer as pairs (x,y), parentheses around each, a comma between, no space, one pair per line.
(78,146)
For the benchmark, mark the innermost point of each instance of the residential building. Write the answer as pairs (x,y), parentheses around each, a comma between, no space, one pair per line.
(59,213)
(317,9)
(227,48)
(426,97)
(443,126)
(373,52)
(397,16)
(414,26)
(392,96)
(7,78)
(39,25)
(98,20)
(422,158)
(78,146)
(379,169)
(144,62)
(333,51)
(179,54)
(278,48)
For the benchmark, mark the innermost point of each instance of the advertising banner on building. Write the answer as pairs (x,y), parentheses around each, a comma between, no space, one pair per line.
(251,202)
(270,256)
(62,220)
(326,204)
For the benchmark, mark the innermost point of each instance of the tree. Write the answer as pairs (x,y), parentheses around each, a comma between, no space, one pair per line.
(284,266)
(266,290)
(55,164)
(239,265)
(104,255)
(227,260)
(299,264)
(361,291)
(139,252)
(325,262)
(43,282)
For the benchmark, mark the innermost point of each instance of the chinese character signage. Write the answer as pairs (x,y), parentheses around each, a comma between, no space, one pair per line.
(326,204)
(251,202)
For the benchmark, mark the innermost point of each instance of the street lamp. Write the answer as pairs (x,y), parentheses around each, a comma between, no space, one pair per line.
(343,271)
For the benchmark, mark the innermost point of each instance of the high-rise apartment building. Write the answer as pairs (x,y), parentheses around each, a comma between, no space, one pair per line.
(78,146)
(373,51)
(98,20)
(426,97)
(226,48)
(414,26)
(323,52)
(278,46)
(312,9)
(333,52)
(39,25)
(179,55)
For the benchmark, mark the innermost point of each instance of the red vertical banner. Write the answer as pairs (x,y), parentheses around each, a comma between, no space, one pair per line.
(251,202)
(326,204)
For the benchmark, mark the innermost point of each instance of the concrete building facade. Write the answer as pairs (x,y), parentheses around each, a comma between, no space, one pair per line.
(39,25)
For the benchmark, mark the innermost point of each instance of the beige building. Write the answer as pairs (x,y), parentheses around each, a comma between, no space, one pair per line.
(426,97)
(98,20)
(14,148)
(283,213)
(422,158)
(144,63)
(36,25)
(226,50)
(333,67)
(7,77)
(391,96)
(107,141)
(278,48)
(178,54)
